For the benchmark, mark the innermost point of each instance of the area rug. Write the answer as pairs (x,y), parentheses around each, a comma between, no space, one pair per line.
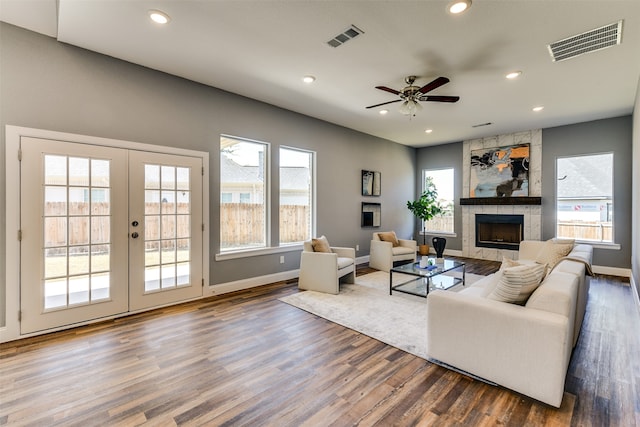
(399,320)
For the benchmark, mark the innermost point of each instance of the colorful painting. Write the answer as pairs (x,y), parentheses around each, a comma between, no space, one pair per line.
(500,172)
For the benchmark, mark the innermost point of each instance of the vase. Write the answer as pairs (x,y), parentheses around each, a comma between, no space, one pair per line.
(438,244)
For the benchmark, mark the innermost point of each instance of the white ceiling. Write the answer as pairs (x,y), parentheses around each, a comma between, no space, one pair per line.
(261,49)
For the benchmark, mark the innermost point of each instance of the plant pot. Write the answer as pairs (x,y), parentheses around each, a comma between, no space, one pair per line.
(423,249)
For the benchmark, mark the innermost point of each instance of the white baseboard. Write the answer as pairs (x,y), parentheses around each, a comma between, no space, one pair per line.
(611,271)
(252,282)
(634,291)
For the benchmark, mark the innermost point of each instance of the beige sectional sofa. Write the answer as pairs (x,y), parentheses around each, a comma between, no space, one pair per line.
(525,348)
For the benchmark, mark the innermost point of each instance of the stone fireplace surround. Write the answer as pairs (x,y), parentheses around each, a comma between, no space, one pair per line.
(532,213)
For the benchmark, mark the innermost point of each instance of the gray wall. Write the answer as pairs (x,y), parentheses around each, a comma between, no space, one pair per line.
(635,252)
(608,135)
(49,85)
(600,136)
(443,157)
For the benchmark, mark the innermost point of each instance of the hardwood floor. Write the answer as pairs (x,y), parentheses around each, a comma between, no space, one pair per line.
(247,359)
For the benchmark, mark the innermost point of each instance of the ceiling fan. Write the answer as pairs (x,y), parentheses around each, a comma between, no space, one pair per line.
(412,94)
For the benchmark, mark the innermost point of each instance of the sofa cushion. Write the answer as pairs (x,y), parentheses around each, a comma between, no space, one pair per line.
(389,236)
(518,283)
(553,250)
(508,262)
(344,262)
(402,250)
(321,244)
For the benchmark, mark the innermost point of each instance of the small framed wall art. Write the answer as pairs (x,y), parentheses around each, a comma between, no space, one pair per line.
(370,214)
(370,183)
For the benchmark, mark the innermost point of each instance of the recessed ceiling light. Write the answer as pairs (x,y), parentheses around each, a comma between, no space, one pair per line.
(428,130)
(458,6)
(383,112)
(159,16)
(539,108)
(308,79)
(514,75)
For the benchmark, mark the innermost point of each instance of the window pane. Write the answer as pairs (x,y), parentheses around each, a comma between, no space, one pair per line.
(443,180)
(584,205)
(243,170)
(296,195)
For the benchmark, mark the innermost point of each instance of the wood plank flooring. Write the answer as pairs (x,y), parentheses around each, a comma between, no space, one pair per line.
(247,359)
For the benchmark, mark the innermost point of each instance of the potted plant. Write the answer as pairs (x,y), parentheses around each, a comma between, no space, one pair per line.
(425,208)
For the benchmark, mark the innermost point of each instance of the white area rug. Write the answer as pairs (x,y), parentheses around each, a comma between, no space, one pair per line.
(399,320)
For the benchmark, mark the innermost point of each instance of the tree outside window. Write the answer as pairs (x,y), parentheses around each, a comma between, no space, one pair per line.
(443,179)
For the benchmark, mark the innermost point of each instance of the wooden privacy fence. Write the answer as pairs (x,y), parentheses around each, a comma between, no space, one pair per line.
(598,231)
(83,229)
(242,224)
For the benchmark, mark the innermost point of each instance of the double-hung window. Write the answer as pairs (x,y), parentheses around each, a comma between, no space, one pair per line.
(584,197)
(296,195)
(443,179)
(244,176)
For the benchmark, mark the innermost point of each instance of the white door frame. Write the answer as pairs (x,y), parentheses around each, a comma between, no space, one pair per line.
(11,330)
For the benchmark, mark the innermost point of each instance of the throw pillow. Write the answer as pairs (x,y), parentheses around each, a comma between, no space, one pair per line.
(508,262)
(553,250)
(518,283)
(389,236)
(321,244)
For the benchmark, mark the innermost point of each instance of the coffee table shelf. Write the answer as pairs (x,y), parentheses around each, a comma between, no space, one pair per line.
(424,280)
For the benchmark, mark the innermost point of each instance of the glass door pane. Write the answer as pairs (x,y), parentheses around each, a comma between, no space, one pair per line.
(69,217)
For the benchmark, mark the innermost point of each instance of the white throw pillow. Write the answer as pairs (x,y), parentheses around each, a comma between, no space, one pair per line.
(518,283)
(553,250)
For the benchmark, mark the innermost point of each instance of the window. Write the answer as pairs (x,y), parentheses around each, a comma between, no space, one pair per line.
(296,195)
(584,197)
(443,180)
(243,172)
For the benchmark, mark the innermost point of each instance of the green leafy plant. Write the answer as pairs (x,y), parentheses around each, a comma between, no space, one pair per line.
(427,206)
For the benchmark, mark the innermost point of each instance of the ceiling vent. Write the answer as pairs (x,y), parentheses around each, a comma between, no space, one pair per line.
(348,34)
(597,39)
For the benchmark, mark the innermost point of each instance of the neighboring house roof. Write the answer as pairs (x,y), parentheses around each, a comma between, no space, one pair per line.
(291,177)
(587,176)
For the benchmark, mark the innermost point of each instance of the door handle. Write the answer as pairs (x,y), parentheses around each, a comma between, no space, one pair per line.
(134,235)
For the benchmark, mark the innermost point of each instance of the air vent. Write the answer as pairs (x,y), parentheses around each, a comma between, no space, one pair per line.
(348,34)
(600,38)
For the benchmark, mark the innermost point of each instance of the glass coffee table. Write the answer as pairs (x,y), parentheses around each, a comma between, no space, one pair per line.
(423,279)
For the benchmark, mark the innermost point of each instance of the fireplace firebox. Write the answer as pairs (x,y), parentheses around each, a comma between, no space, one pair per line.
(499,231)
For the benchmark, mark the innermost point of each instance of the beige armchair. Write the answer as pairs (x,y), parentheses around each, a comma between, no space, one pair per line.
(321,271)
(386,249)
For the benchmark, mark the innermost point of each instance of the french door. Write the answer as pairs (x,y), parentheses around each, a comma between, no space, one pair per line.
(105,231)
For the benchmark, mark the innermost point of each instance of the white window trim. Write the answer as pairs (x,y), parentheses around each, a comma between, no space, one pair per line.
(440,232)
(313,193)
(267,203)
(596,244)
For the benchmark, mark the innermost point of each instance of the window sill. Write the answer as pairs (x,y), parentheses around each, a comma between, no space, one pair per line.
(600,245)
(247,253)
(438,233)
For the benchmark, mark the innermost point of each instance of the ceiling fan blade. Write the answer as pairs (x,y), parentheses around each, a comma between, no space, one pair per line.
(440,98)
(434,85)
(384,103)
(388,89)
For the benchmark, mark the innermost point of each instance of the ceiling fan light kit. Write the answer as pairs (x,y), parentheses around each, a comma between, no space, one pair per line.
(411,94)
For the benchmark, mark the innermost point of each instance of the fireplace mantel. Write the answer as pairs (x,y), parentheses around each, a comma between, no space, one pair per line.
(484,201)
